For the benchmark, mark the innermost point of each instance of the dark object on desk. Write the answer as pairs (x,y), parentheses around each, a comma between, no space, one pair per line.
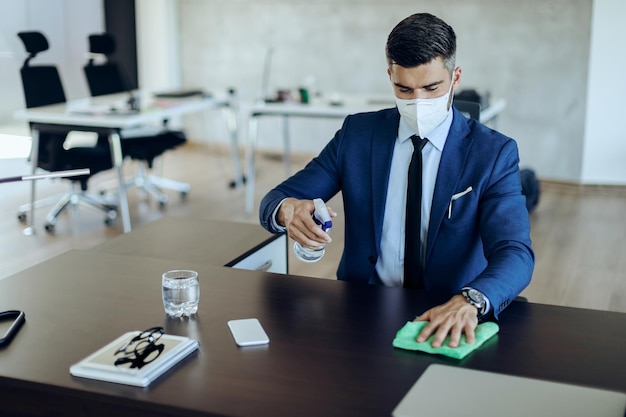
(18,318)
(281,96)
(183,93)
(42,86)
(107,78)
(304,95)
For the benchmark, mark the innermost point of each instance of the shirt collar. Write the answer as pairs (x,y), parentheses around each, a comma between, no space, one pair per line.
(437,137)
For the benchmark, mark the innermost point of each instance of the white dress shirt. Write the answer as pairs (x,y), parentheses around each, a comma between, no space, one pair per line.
(390,264)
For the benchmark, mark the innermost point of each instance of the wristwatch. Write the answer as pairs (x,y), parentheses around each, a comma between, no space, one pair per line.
(475,298)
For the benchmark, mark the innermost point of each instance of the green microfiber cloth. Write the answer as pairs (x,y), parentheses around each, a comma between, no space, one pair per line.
(407,335)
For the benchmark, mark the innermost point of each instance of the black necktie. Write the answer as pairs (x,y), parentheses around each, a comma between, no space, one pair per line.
(412,243)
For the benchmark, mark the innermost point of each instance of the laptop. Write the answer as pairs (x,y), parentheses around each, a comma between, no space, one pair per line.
(445,391)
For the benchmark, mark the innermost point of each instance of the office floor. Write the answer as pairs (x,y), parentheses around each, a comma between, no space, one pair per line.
(579,233)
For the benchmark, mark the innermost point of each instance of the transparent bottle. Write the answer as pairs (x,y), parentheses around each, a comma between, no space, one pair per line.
(324,221)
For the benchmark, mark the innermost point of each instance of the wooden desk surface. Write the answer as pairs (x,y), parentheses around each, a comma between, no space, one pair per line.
(330,351)
(185,239)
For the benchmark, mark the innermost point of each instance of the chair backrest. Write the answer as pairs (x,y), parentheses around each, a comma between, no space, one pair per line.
(41,83)
(42,86)
(469,108)
(105,78)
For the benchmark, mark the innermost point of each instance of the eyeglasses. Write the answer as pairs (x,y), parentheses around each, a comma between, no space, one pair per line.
(141,349)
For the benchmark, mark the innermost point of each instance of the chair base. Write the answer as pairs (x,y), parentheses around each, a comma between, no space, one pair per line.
(153,185)
(72,199)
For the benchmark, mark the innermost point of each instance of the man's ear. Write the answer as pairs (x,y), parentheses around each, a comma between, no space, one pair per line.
(457,78)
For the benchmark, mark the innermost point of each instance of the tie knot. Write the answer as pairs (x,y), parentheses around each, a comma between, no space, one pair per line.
(418,143)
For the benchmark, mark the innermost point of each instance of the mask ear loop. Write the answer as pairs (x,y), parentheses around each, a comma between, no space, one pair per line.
(451,98)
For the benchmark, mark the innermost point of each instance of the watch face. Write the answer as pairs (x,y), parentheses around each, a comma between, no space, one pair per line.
(476,296)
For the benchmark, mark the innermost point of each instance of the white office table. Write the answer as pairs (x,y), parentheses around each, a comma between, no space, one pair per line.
(92,114)
(318,109)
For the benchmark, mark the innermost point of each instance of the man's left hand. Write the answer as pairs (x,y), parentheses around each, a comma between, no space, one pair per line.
(455,317)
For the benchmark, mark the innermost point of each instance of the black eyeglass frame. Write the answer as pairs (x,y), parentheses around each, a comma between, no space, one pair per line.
(139,351)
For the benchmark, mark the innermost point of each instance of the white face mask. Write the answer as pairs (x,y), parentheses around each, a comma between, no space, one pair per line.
(424,114)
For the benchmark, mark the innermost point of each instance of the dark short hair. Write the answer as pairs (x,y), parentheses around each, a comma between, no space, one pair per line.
(419,39)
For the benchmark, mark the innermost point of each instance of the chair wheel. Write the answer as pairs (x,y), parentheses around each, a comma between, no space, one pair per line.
(111,218)
(21,217)
(163,199)
(49,228)
(233,183)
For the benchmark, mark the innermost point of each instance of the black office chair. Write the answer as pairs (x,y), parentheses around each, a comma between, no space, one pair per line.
(470,109)
(42,86)
(108,78)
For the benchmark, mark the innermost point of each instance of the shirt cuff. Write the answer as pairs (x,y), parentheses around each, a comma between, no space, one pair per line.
(273,221)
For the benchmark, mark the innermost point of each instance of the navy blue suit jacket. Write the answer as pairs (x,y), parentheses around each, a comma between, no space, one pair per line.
(485,243)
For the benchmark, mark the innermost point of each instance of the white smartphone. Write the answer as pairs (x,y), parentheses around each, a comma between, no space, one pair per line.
(248,332)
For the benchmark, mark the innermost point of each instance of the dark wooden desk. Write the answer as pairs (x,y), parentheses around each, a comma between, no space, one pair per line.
(185,239)
(330,352)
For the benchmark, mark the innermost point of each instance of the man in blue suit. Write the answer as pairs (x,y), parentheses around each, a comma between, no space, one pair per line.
(474,236)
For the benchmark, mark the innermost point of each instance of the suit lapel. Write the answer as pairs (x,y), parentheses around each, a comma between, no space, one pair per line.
(383,140)
(453,159)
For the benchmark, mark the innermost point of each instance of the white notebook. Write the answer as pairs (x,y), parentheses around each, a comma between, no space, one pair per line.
(101,364)
(444,391)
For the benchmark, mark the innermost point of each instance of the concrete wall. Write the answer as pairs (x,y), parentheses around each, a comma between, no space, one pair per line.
(533,53)
(158,43)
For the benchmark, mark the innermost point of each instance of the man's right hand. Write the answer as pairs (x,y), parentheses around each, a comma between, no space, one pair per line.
(297,217)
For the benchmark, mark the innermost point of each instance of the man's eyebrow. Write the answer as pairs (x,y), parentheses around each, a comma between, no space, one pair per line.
(427,86)
(431,85)
(399,85)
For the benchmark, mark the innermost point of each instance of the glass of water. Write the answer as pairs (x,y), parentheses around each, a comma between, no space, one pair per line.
(181,292)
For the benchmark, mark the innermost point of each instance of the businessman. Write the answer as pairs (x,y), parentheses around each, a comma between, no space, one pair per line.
(432,200)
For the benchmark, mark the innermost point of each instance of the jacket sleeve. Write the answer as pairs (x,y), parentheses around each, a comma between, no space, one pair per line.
(318,179)
(505,233)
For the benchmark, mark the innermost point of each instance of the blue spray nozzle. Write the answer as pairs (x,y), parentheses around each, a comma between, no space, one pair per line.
(321,216)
